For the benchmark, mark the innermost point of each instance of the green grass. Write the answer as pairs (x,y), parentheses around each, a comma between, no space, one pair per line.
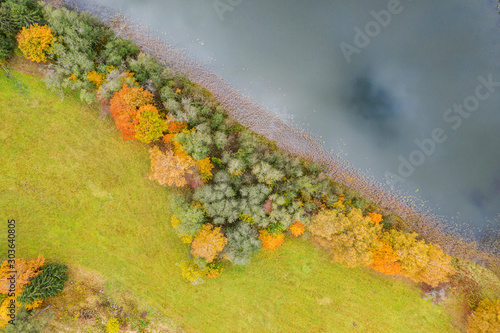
(80,195)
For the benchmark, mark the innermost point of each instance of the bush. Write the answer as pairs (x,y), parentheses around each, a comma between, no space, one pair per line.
(486,317)
(7,45)
(47,284)
(271,241)
(35,42)
(242,242)
(25,322)
(119,50)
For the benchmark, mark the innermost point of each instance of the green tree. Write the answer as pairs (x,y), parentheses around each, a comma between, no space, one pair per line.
(47,284)
(119,50)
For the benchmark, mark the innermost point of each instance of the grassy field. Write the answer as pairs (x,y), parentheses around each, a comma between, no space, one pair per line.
(80,195)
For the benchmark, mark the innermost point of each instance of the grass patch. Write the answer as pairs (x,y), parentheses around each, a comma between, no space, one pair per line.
(81,196)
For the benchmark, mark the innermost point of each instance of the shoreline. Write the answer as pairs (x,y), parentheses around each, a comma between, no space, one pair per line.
(296,142)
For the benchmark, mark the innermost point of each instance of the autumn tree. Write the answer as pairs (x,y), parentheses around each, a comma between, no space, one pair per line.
(350,237)
(486,317)
(205,167)
(124,107)
(25,272)
(35,42)
(208,243)
(168,169)
(420,261)
(269,240)
(148,124)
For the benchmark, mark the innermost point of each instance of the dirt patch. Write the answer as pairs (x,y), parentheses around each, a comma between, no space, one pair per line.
(26,66)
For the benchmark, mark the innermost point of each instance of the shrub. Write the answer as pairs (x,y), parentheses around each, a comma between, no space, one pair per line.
(35,42)
(385,260)
(351,238)
(7,45)
(486,317)
(297,229)
(47,284)
(208,243)
(124,106)
(113,325)
(420,261)
(149,126)
(269,240)
(168,169)
(242,242)
(119,50)
(191,272)
(25,322)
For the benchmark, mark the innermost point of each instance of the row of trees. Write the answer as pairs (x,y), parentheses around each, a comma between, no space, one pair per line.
(244,194)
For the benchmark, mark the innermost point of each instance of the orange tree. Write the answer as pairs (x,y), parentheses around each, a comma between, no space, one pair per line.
(124,107)
(169,169)
(385,260)
(35,42)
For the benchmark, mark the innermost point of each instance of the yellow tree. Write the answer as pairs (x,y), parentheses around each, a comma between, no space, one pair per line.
(351,238)
(208,243)
(420,261)
(169,169)
(486,317)
(35,42)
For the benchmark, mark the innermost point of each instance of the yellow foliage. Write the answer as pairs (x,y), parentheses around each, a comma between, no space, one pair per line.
(297,229)
(175,221)
(190,271)
(25,272)
(208,243)
(96,78)
(35,42)
(270,241)
(205,166)
(246,218)
(213,271)
(375,217)
(486,317)
(168,169)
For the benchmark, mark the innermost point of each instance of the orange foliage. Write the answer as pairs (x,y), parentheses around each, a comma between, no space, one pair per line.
(385,260)
(168,169)
(208,243)
(35,42)
(25,271)
(375,217)
(175,127)
(297,229)
(270,241)
(124,106)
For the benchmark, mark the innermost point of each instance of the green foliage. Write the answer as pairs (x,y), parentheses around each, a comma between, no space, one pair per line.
(7,45)
(119,50)
(196,143)
(167,93)
(15,14)
(242,242)
(265,173)
(251,203)
(114,82)
(217,120)
(219,202)
(47,284)
(189,220)
(220,140)
(25,322)
(148,71)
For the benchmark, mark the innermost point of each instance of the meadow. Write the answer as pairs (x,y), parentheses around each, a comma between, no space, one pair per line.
(81,196)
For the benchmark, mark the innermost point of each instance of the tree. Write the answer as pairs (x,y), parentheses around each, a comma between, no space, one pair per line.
(205,167)
(119,50)
(208,243)
(197,144)
(168,169)
(47,284)
(124,106)
(242,242)
(351,237)
(419,261)
(25,272)
(15,14)
(219,202)
(486,317)
(148,124)
(35,42)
